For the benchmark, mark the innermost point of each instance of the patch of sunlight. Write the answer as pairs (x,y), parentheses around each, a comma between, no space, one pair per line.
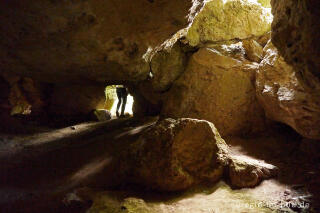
(90,169)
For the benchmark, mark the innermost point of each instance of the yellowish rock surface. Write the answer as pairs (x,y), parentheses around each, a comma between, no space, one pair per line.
(285,98)
(222,20)
(218,86)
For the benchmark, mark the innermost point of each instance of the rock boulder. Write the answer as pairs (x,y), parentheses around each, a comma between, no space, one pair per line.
(222,20)
(218,86)
(284,98)
(176,154)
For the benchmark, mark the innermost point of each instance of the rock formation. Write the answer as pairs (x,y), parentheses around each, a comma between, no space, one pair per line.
(185,56)
(265,3)
(205,67)
(83,41)
(254,51)
(246,172)
(215,82)
(296,32)
(285,98)
(102,115)
(226,20)
(166,66)
(218,86)
(25,96)
(174,155)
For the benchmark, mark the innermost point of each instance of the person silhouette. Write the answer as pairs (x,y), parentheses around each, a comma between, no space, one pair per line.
(122,93)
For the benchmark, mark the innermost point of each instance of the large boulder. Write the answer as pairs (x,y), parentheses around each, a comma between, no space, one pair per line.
(218,86)
(285,98)
(172,155)
(222,20)
(81,41)
(296,33)
(176,154)
(166,66)
(248,172)
(254,51)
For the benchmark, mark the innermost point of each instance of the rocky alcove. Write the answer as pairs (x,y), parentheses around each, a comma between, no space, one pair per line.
(223,113)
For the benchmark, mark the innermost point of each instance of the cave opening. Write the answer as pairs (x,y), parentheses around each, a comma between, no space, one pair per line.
(112,101)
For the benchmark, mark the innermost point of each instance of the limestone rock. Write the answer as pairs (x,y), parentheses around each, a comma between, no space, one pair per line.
(254,51)
(18,101)
(222,20)
(166,67)
(76,100)
(246,172)
(218,86)
(265,3)
(81,41)
(263,40)
(111,96)
(283,96)
(176,154)
(296,33)
(102,115)
(26,96)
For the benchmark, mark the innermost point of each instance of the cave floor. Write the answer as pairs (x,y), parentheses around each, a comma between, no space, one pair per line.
(37,171)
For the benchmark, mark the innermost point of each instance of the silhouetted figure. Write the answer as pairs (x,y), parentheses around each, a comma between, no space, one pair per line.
(122,94)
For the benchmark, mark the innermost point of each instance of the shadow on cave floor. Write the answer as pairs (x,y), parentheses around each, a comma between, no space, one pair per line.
(39,166)
(37,170)
(297,158)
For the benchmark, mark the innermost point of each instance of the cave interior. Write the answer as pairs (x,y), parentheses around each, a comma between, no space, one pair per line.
(220,98)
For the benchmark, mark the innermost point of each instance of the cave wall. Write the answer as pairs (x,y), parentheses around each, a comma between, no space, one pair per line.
(76,101)
(76,45)
(216,72)
(296,33)
(181,62)
(284,98)
(218,86)
(83,41)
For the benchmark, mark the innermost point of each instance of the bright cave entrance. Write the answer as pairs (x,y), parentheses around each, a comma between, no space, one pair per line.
(112,100)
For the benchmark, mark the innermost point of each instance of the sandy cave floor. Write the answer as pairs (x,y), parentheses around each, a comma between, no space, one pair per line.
(37,171)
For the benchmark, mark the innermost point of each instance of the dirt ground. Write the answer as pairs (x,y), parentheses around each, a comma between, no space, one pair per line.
(40,171)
